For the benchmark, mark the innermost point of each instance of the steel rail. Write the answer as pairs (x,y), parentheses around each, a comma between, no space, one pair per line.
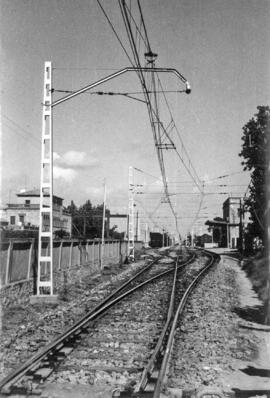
(78,327)
(151,363)
(69,331)
(180,308)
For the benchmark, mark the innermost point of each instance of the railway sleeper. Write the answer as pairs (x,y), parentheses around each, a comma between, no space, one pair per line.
(43,373)
(128,394)
(104,368)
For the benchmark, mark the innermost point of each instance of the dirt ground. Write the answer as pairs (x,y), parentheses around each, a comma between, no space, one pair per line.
(218,344)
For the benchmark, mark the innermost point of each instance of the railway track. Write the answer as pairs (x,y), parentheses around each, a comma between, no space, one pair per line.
(124,342)
(155,372)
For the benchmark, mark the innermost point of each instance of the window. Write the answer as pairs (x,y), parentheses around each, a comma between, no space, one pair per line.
(27,203)
(21,219)
(12,220)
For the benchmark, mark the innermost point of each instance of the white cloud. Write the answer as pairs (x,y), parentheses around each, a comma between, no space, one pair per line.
(66,174)
(95,191)
(56,156)
(75,159)
(66,165)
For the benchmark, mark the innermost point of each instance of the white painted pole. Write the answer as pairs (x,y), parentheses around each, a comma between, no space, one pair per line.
(46,184)
(103,229)
(131,215)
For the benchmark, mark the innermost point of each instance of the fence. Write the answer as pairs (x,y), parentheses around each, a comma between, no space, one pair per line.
(19,257)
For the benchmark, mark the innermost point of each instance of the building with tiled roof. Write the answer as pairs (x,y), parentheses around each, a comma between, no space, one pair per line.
(25,213)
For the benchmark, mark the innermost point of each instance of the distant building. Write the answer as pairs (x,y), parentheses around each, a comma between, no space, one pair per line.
(231,214)
(25,215)
(226,230)
(218,229)
(201,240)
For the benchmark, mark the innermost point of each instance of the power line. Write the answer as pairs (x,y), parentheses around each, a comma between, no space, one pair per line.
(182,143)
(17,130)
(225,175)
(144,172)
(145,39)
(114,31)
(158,129)
(21,128)
(144,27)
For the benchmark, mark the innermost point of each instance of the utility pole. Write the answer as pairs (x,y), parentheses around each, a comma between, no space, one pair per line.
(130,214)
(163,237)
(268,231)
(137,226)
(45,287)
(145,234)
(45,261)
(103,229)
(228,233)
(241,227)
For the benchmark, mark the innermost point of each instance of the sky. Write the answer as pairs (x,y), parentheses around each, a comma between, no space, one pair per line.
(221,47)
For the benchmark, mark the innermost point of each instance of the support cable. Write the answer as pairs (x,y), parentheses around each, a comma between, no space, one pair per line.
(144,27)
(144,39)
(114,31)
(179,136)
(149,106)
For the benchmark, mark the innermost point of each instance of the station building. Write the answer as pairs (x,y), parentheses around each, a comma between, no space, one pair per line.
(226,230)
(25,213)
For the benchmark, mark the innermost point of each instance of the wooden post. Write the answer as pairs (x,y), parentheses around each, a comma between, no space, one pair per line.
(120,252)
(87,252)
(70,254)
(91,257)
(30,258)
(60,255)
(103,230)
(98,252)
(9,261)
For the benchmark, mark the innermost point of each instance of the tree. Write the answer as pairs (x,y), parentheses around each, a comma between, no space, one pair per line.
(255,151)
(115,234)
(87,220)
(73,210)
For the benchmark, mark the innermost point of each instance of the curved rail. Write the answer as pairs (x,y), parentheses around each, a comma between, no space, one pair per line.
(164,345)
(174,324)
(57,344)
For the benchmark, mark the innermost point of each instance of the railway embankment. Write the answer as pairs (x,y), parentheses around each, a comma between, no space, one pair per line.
(257,269)
(217,344)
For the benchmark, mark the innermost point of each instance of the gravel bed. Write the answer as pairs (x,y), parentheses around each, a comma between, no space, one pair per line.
(25,330)
(116,348)
(208,338)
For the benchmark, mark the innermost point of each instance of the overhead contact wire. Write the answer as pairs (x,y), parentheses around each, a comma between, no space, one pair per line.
(148,102)
(114,31)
